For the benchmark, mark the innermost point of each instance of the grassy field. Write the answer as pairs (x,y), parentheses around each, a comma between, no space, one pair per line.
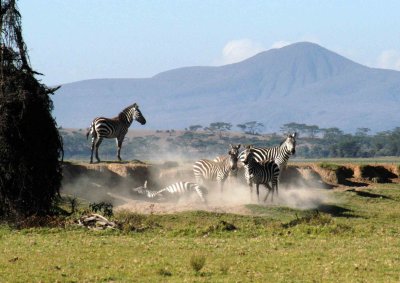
(355,239)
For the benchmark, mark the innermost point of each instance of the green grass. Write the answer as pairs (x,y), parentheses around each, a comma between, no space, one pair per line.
(329,166)
(356,239)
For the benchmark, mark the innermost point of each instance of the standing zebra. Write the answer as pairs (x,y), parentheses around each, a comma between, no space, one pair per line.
(280,154)
(175,191)
(116,127)
(205,169)
(260,173)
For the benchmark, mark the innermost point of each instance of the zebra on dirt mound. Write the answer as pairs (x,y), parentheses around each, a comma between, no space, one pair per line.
(116,127)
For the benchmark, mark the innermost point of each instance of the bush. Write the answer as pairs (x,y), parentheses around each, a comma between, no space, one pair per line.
(197,262)
(30,144)
(102,207)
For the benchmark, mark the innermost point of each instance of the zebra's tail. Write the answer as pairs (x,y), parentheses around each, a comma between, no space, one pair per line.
(90,130)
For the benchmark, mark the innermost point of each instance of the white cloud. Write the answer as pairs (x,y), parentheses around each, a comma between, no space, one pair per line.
(389,59)
(240,49)
(283,43)
(280,44)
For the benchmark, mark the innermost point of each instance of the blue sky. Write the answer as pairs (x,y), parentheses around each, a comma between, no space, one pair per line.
(72,40)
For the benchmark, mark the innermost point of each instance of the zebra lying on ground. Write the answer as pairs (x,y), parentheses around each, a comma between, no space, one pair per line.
(260,173)
(208,170)
(174,191)
(116,127)
(280,154)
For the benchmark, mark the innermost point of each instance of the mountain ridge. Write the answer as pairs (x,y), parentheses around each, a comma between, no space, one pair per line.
(302,82)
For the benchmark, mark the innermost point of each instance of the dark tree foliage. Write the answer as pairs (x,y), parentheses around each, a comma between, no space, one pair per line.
(30,145)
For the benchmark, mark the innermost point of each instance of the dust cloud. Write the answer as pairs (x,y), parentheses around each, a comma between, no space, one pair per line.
(99,184)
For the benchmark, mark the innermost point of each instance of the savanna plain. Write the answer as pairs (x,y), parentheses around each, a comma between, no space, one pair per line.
(353,235)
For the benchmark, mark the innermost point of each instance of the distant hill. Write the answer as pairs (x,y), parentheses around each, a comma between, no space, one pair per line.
(302,82)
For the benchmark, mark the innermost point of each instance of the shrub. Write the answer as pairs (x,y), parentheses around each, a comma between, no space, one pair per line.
(197,262)
(102,207)
(164,272)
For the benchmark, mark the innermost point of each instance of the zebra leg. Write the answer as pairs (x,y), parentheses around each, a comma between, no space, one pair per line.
(201,196)
(251,190)
(92,148)
(269,189)
(97,145)
(258,192)
(119,145)
(276,188)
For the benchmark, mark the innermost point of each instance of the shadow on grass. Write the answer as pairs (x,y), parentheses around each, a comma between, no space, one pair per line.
(353,184)
(368,195)
(336,211)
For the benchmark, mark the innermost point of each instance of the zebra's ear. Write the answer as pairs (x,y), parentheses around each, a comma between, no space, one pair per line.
(294,135)
(135,105)
(238,146)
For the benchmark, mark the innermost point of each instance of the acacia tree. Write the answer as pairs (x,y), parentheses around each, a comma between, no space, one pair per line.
(194,128)
(30,144)
(219,127)
(252,127)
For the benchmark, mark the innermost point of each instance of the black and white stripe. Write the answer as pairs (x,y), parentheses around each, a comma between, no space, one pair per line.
(260,173)
(208,170)
(116,127)
(279,154)
(174,191)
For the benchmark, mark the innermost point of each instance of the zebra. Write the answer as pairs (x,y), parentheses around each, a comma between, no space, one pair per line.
(260,173)
(116,127)
(177,189)
(279,154)
(205,169)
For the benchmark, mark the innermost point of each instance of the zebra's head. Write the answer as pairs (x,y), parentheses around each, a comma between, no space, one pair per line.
(142,190)
(136,114)
(290,143)
(248,154)
(233,157)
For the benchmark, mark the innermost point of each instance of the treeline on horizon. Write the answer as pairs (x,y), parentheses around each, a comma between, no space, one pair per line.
(197,141)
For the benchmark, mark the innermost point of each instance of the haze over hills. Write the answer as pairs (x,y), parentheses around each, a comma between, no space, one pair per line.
(302,82)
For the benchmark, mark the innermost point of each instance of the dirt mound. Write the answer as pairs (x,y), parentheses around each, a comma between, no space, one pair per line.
(301,185)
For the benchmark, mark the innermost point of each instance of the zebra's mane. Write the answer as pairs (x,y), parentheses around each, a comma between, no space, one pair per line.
(123,114)
(283,141)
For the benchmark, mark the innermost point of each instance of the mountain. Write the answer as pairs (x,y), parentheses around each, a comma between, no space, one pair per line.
(302,82)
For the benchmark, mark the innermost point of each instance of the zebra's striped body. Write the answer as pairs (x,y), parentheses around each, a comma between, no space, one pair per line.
(174,191)
(220,158)
(260,173)
(279,154)
(116,127)
(208,170)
